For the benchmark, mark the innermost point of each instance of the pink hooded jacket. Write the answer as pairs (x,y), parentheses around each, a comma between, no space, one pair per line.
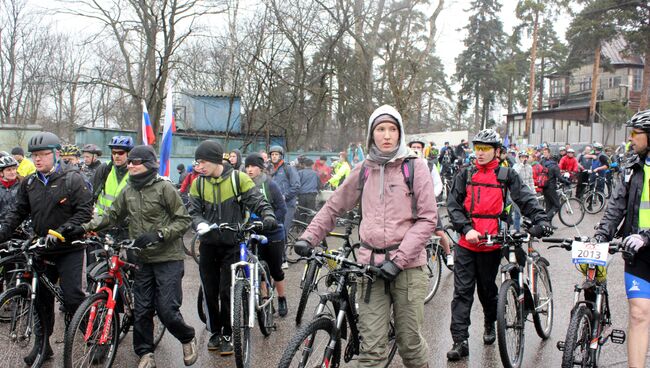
(387,216)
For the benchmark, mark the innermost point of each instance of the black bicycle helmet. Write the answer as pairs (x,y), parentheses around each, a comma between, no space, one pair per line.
(640,120)
(7,161)
(122,142)
(43,141)
(489,137)
(278,149)
(92,148)
(70,150)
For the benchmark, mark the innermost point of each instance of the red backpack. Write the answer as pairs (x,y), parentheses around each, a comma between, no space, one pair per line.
(540,176)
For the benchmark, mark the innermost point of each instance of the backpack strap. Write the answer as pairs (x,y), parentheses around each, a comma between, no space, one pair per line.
(408,171)
(234,180)
(363,176)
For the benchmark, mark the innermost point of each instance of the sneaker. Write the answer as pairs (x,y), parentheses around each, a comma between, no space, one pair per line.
(282,306)
(450,260)
(225,348)
(285,265)
(147,361)
(458,351)
(215,341)
(490,333)
(31,357)
(190,353)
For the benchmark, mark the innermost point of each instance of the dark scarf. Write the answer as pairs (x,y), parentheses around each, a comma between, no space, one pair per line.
(140,180)
(120,171)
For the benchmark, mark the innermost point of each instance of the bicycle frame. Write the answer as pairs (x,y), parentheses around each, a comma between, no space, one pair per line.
(526,278)
(596,306)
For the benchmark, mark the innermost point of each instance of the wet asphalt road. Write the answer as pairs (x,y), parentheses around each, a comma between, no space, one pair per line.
(538,353)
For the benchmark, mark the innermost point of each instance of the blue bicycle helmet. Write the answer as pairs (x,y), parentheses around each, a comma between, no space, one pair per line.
(122,142)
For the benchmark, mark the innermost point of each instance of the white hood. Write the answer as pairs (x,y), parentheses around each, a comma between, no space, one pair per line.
(403,150)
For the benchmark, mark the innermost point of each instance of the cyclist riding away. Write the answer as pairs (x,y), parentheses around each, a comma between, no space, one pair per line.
(218,196)
(55,198)
(630,203)
(477,206)
(398,219)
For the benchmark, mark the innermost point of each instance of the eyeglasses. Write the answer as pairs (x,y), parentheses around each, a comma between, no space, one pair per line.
(135,161)
(40,154)
(118,153)
(634,133)
(482,147)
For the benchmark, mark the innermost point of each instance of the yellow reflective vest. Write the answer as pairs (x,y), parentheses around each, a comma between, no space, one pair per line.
(111,189)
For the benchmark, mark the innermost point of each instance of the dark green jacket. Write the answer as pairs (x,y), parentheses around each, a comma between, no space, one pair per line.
(213,201)
(157,207)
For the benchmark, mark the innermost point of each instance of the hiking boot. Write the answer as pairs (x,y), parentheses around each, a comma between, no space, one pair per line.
(190,353)
(31,357)
(489,334)
(458,351)
(225,348)
(214,342)
(282,306)
(147,361)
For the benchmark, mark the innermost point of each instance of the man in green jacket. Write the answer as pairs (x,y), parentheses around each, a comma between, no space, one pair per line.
(158,220)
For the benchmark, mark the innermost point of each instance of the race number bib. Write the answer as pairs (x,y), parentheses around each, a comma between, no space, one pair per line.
(590,253)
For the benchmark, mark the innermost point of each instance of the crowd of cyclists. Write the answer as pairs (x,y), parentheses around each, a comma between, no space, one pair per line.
(396,187)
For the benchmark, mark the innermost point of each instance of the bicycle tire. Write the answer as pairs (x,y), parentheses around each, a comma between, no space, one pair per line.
(594,202)
(511,357)
(569,208)
(241,332)
(194,248)
(578,338)
(543,279)
(392,344)
(13,352)
(434,272)
(307,286)
(265,314)
(294,232)
(307,336)
(186,249)
(200,305)
(78,327)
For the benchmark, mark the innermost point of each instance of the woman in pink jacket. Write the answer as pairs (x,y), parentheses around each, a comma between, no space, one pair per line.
(393,237)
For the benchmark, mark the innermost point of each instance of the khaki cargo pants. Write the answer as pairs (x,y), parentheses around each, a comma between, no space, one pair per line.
(406,295)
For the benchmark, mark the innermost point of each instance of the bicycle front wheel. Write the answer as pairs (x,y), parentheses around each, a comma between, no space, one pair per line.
(309,347)
(294,233)
(510,325)
(241,332)
(543,314)
(83,338)
(571,212)
(308,284)
(594,202)
(434,271)
(18,334)
(578,337)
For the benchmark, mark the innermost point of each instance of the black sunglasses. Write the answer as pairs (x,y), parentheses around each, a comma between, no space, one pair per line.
(135,161)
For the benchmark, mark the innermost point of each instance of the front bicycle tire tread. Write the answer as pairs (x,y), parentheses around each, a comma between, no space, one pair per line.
(504,289)
(542,269)
(74,328)
(310,275)
(241,333)
(24,293)
(320,323)
(572,334)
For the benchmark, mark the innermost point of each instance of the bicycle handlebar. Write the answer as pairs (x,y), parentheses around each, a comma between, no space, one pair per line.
(237,227)
(369,269)
(567,244)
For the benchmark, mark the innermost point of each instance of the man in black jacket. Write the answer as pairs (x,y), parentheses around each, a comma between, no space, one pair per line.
(550,190)
(55,199)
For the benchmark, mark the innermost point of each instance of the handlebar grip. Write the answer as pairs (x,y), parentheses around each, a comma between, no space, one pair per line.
(555,240)
(56,234)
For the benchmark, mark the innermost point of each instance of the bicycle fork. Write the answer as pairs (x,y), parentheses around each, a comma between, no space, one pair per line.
(110,305)
(331,346)
(253,284)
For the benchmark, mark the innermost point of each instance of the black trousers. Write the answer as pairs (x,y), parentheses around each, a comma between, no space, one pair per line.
(473,269)
(583,181)
(214,267)
(158,287)
(552,202)
(307,200)
(69,269)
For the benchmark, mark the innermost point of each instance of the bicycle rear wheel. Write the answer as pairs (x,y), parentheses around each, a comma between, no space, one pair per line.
(294,233)
(83,347)
(307,284)
(308,346)
(194,248)
(510,325)
(200,305)
(578,337)
(594,202)
(265,314)
(18,335)
(571,212)
(543,314)
(434,271)
(241,332)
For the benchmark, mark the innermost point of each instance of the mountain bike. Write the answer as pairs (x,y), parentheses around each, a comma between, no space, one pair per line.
(594,200)
(105,317)
(22,331)
(525,289)
(318,344)
(572,210)
(436,256)
(591,325)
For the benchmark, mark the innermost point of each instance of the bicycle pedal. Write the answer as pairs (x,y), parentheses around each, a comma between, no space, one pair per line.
(617,336)
(560,345)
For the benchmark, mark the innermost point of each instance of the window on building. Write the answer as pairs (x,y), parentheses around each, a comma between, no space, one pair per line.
(585,84)
(637,79)
(556,87)
(613,82)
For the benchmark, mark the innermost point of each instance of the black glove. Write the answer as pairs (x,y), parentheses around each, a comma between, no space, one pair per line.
(600,239)
(389,270)
(303,248)
(72,231)
(146,240)
(269,223)
(541,230)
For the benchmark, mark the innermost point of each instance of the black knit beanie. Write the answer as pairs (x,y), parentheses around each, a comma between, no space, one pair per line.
(209,151)
(254,159)
(146,154)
